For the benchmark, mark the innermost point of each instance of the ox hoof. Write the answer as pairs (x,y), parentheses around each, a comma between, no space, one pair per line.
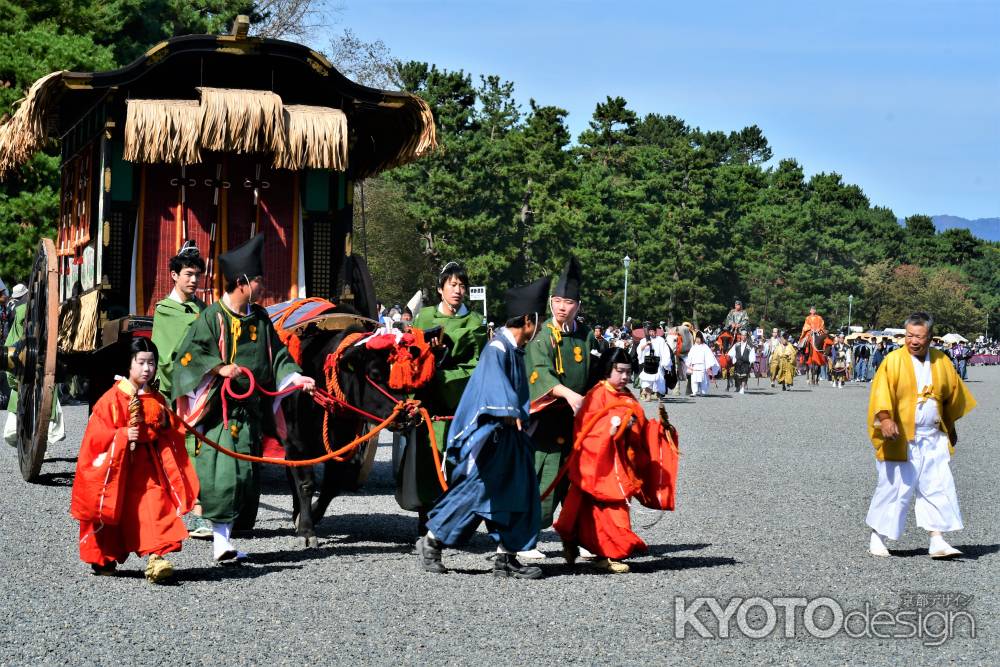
(311,542)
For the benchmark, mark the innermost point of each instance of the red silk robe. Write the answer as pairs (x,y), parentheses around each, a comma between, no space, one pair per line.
(130,500)
(606,471)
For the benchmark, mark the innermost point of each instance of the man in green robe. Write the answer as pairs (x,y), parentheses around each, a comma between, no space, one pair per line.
(57,429)
(460,338)
(175,313)
(171,320)
(558,366)
(231,334)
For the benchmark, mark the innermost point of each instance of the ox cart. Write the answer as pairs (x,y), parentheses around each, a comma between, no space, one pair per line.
(206,138)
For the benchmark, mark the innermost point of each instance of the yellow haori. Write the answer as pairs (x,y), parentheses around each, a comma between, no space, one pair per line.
(894,390)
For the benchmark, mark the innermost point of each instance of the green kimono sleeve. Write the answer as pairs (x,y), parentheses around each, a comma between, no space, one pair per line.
(539,361)
(171,321)
(198,353)
(465,338)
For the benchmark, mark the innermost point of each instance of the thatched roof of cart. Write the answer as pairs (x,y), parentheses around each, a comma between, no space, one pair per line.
(294,98)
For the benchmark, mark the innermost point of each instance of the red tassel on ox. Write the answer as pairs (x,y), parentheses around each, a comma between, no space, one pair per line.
(411,364)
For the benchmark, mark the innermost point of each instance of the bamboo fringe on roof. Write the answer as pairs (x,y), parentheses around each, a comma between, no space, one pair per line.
(420,137)
(25,131)
(243,121)
(162,131)
(317,138)
(427,141)
(239,121)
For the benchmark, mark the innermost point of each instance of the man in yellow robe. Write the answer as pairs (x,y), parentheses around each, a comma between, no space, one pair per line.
(916,398)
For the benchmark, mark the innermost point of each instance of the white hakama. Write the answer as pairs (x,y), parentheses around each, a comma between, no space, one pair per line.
(701,363)
(925,474)
(654,382)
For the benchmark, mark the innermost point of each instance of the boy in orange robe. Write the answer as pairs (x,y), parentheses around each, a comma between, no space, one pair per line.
(134,480)
(622,455)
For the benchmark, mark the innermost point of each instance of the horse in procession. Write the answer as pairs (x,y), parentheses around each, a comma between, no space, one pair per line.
(722,344)
(813,352)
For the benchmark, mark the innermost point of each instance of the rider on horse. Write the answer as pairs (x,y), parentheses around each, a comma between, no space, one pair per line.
(812,324)
(737,319)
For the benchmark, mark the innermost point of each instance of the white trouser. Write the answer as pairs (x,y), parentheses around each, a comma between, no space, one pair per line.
(699,382)
(926,473)
(653,381)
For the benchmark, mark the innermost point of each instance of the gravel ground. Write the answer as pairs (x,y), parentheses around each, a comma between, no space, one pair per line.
(773,492)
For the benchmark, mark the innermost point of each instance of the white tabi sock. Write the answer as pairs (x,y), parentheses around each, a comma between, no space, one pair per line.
(220,538)
(876,545)
(938,544)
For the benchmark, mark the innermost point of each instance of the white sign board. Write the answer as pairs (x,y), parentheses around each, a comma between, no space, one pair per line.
(477,294)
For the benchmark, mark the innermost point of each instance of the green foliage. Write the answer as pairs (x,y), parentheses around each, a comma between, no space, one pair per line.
(702,218)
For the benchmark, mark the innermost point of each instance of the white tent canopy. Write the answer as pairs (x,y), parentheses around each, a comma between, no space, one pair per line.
(954,338)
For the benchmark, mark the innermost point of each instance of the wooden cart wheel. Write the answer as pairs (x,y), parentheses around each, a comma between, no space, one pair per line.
(366,456)
(36,385)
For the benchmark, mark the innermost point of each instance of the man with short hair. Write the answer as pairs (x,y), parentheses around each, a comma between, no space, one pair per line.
(172,318)
(457,337)
(491,465)
(600,342)
(232,334)
(175,313)
(916,398)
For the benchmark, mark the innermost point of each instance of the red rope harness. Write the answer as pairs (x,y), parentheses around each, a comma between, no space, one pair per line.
(329,403)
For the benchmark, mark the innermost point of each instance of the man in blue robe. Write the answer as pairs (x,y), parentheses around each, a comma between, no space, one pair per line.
(491,458)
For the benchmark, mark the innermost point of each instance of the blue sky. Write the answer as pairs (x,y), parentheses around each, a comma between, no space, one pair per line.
(901,97)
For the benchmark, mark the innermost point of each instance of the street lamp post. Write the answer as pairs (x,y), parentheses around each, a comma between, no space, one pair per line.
(626,261)
(850,310)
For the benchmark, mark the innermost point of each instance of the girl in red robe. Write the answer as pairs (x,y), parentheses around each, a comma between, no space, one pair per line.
(621,455)
(134,480)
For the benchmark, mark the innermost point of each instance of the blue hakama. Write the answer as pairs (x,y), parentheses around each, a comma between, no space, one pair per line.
(492,462)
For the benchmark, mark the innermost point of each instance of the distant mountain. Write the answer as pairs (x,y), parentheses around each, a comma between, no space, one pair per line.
(984,228)
(987,229)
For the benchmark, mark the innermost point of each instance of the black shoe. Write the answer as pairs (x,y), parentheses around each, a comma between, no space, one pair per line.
(106,570)
(507,565)
(429,555)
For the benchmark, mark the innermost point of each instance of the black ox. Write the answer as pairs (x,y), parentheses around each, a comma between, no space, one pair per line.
(363,376)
